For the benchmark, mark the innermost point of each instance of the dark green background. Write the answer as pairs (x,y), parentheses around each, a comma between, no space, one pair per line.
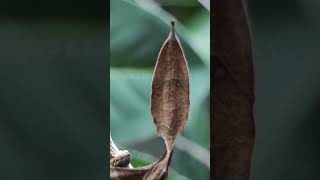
(286,40)
(53,90)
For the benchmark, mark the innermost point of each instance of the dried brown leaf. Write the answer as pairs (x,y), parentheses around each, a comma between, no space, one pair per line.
(170,90)
(169,108)
(233,97)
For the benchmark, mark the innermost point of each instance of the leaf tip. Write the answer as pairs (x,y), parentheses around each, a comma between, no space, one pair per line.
(173,28)
(172,24)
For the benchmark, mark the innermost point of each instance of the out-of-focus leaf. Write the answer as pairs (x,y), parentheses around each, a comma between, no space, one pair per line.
(233,98)
(205,3)
(129,104)
(138,36)
(136,162)
(198,39)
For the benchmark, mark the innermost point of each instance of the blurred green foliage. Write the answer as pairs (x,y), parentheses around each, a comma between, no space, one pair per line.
(286,39)
(137,32)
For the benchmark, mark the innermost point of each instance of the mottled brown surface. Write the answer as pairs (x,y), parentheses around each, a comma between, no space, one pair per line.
(170,90)
(233,96)
(118,173)
(169,108)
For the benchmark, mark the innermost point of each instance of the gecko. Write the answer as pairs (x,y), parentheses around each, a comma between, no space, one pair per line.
(119,158)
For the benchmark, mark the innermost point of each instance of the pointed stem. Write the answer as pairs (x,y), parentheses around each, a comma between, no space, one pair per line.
(173,29)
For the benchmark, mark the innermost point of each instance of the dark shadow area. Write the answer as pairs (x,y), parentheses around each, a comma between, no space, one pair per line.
(59,8)
(54,83)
